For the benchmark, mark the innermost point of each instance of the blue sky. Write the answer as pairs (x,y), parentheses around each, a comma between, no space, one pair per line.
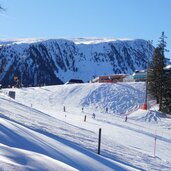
(144,19)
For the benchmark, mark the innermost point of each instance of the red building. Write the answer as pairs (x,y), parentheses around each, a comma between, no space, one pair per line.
(109,79)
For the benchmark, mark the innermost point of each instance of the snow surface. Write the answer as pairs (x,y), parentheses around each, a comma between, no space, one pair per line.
(36,134)
(168,67)
(95,40)
(91,40)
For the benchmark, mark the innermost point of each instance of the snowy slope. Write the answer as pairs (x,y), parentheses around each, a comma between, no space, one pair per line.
(119,98)
(55,61)
(18,159)
(35,124)
(20,137)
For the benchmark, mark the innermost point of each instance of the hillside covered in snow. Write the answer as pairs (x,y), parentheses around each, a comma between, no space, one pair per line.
(36,133)
(55,61)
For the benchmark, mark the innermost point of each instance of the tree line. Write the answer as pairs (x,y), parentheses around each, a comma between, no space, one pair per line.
(159,77)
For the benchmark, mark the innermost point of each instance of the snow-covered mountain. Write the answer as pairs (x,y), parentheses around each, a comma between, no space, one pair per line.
(53,61)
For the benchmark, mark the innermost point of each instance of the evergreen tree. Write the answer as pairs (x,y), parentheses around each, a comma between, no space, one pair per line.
(166,96)
(156,77)
(166,103)
(159,78)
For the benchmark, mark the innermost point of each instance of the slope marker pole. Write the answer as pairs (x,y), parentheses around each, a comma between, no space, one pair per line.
(155,139)
(99,141)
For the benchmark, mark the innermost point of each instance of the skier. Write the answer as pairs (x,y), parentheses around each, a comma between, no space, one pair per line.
(82,109)
(126,118)
(94,115)
(64,108)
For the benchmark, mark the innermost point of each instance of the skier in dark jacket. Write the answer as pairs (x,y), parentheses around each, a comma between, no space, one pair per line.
(126,118)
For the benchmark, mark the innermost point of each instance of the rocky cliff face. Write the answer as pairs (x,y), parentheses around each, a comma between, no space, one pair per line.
(57,60)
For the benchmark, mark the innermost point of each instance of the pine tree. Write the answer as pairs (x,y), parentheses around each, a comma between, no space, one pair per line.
(166,96)
(166,103)
(159,78)
(155,76)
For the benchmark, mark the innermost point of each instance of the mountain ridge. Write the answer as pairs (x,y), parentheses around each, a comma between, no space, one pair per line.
(54,61)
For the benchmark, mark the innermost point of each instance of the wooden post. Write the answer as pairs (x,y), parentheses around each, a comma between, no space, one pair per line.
(155,138)
(99,141)
(85,118)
